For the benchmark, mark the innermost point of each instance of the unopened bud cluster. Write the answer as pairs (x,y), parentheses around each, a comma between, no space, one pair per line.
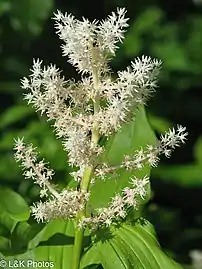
(82,112)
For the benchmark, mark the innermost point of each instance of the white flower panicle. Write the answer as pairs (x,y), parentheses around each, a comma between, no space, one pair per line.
(89,44)
(83,112)
(111,31)
(48,94)
(70,105)
(172,139)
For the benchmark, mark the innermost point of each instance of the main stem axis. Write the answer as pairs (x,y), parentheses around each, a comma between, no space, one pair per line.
(79,232)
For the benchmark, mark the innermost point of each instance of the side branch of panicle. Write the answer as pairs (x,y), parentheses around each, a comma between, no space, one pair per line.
(38,171)
(147,156)
(167,143)
(131,89)
(117,208)
(65,204)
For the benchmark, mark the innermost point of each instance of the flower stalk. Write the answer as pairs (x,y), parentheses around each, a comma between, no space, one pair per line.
(85,183)
(79,231)
(97,105)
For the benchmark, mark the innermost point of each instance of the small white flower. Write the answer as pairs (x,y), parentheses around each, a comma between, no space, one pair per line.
(30,174)
(19,144)
(139,185)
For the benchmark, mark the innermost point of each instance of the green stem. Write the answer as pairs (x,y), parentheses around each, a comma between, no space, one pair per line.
(79,232)
(85,182)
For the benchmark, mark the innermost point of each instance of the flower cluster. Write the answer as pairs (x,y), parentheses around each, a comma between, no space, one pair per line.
(167,143)
(49,93)
(65,204)
(41,174)
(117,209)
(131,89)
(83,112)
(97,100)
(150,155)
(89,44)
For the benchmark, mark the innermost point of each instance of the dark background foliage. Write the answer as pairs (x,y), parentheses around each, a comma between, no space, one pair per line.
(168,30)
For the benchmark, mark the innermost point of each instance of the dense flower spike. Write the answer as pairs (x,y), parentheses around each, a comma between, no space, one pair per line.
(89,44)
(83,112)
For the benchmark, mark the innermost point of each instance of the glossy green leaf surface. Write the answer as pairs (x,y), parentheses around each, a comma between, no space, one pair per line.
(15,114)
(41,248)
(12,204)
(129,247)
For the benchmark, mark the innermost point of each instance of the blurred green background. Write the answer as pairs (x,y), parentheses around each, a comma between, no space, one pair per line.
(168,30)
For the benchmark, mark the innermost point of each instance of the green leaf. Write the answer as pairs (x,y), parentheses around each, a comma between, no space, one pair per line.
(22,234)
(132,136)
(129,247)
(146,22)
(4,6)
(198,150)
(4,231)
(188,175)
(94,266)
(4,244)
(58,255)
(159,124)
(13,204)
(6,220)
(14,114)
(90,257)
(12,210)
(28,15)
